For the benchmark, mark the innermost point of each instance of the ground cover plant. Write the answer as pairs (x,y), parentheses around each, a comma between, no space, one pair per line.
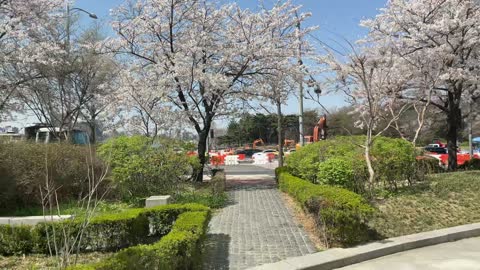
(446,200)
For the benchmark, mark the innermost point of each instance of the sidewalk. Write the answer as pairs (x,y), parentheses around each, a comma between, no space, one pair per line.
(255,229)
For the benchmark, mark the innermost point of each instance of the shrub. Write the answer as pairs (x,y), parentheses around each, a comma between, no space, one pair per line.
(336,172)
(342,213)
(106,232)
(393,161)
(218,183)
(24,166)
(473,164)
(16,240)
(180,249)
(427,165)
(141,169)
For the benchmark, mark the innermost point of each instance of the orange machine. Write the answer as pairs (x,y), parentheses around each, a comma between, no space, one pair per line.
(319,131)
(289,143)
(256,142)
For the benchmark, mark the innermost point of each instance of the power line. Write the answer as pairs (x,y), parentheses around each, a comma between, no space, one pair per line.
(326,45)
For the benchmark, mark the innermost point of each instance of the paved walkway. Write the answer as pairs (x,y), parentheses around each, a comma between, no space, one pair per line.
(459,255)
(255,229)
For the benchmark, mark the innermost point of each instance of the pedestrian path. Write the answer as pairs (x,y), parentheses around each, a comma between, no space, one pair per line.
(254,229)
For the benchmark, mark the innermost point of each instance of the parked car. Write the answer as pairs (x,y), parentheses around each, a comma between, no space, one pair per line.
(266,153)
(436,150)
(249,152)
(240,152)
(271,151)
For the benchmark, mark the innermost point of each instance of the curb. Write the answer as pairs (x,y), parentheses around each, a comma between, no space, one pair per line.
(340,257)
(32,220)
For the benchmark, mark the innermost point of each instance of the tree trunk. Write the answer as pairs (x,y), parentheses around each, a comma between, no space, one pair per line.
(371,171)
(202,148)
(93,130)
(454,119)
(280,134)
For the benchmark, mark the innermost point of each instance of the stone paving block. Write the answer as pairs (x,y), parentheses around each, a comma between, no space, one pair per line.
(255,229)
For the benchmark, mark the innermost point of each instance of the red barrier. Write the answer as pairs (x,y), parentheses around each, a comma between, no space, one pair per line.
(241,156)
(217,160)
(461,158)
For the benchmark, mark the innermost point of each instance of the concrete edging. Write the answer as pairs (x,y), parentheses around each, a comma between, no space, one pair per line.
(340,257)
(32,220)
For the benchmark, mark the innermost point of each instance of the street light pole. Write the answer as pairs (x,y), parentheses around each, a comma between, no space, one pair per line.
(68,11)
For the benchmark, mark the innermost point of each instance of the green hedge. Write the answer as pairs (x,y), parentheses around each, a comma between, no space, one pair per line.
(340,161)
(180,249)
(106,232)
(342,214)
(280,170)
(16,240)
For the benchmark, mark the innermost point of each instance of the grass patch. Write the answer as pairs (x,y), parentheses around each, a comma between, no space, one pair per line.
(45,262)
(450,199)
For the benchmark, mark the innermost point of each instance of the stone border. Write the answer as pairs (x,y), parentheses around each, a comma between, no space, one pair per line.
(32,220)
(339,257)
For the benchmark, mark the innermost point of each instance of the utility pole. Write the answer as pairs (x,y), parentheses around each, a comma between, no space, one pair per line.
(300,94)
(67,26)
(470,129)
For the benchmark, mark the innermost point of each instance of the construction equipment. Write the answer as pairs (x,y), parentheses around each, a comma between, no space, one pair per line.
(319,131)
(289,143)
(256,142)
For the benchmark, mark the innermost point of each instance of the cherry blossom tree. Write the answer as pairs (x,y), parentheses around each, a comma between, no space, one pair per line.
(371,81)
(202,54)
(443,38)
(144,109)
(22,24)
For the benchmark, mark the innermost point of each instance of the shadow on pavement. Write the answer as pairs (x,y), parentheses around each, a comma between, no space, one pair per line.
(251,184)
(216,252)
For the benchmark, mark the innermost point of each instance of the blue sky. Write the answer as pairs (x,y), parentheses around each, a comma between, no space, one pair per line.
(338,20)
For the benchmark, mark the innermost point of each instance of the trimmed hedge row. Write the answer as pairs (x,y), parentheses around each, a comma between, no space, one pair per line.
(180,249)
(342,214)
(106,232)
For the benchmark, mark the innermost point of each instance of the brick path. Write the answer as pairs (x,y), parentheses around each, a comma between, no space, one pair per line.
(255,229)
